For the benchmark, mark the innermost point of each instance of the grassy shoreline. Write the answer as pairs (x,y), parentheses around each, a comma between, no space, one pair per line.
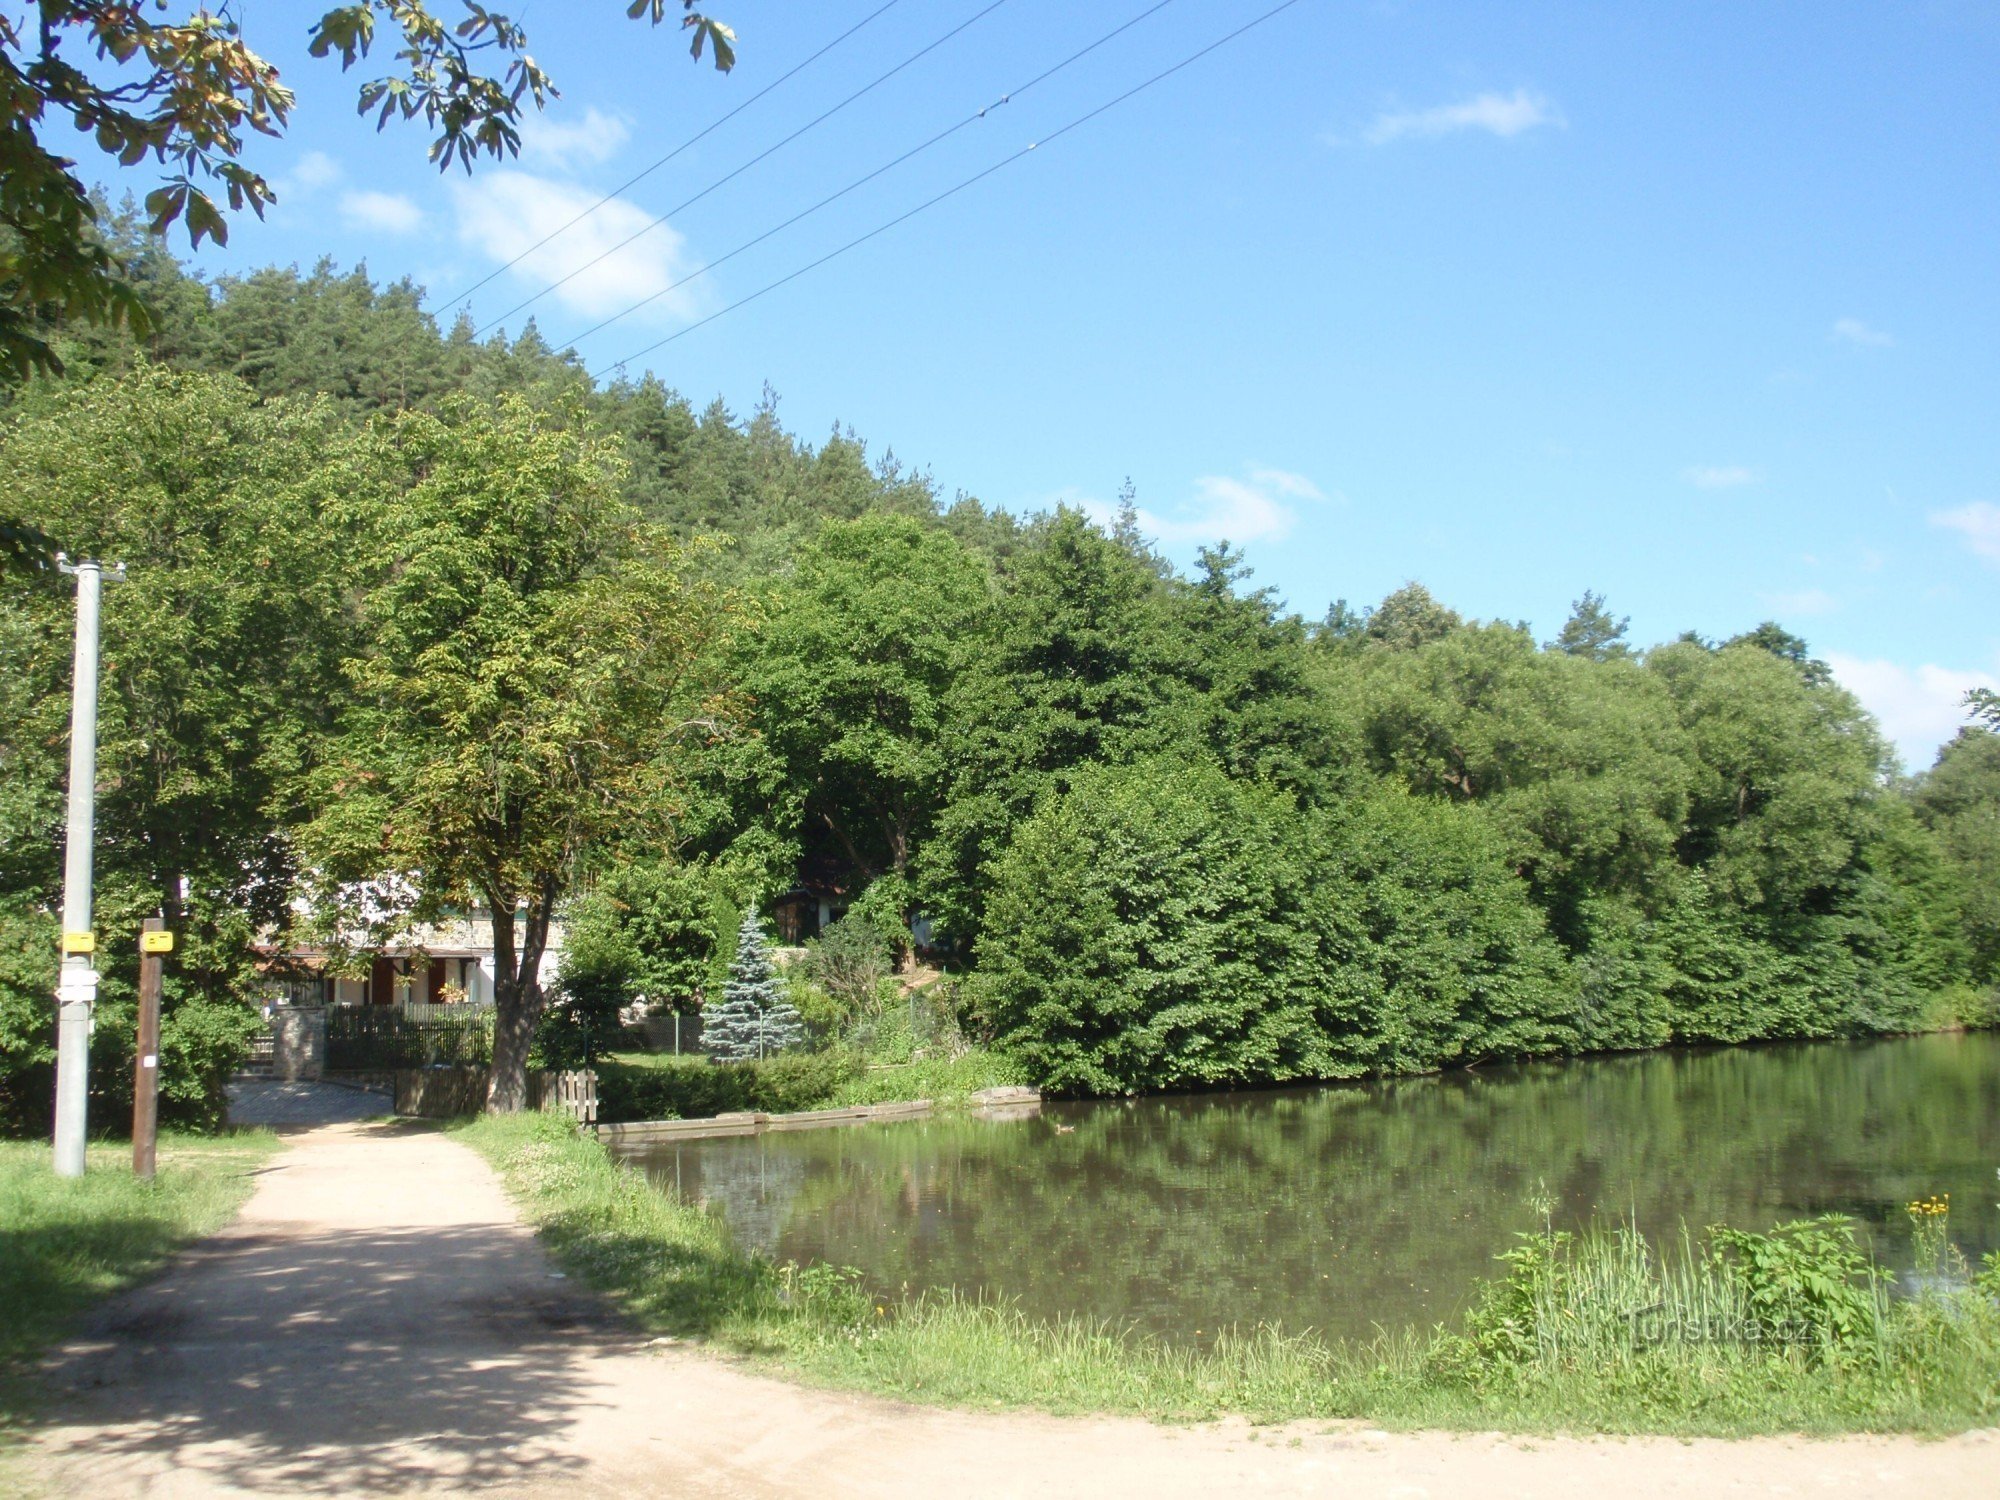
(1525,1364)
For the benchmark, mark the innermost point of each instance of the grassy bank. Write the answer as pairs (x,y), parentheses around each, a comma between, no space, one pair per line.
(1549,1346)
(66,1244)
(944,1081)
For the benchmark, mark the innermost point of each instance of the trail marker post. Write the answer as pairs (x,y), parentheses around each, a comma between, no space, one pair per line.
(153,943)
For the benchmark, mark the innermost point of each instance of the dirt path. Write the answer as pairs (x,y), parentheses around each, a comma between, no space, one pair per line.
(379,1322)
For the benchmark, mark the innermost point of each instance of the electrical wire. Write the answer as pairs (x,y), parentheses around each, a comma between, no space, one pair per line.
(950,130)
(949,192)
(738,172)
(641,176)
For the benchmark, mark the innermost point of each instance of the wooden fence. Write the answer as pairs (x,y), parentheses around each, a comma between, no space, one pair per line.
(574,1091)
(442,1093)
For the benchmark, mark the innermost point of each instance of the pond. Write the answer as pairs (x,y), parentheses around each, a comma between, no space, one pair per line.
(1350,1207)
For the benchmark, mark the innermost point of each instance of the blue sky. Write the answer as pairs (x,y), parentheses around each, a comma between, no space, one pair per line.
(1695,305)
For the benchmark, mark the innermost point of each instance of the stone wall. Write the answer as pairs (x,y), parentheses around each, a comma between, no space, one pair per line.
(298,1042)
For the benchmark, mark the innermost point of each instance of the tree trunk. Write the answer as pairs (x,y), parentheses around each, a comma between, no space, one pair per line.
(518,1001)
(517,1011)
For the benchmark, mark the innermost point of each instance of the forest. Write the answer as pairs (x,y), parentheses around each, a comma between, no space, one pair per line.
(444,621)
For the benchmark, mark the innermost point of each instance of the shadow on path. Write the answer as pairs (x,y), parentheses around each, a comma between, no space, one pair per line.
(278,1104)
(288,1355)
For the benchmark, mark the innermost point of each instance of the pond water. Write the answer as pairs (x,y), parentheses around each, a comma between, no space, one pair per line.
(1350,1207)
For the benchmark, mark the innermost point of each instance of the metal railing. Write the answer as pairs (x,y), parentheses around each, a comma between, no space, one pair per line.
(424,1013)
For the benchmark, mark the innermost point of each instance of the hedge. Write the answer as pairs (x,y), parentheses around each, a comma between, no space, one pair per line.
(689,1089)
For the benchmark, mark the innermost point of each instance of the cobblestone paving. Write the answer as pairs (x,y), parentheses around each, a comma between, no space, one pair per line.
(267,1101)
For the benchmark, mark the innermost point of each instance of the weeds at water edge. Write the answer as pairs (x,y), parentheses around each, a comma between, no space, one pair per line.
(1728,1333)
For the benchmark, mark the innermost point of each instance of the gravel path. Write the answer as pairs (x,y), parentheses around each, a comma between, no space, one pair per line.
(379,1322)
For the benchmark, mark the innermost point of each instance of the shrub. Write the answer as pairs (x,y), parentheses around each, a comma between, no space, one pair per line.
(899,1026)
(27,1021)
(1432,953)
(1809,1275)
(655,929)
(849,960)
(691,1089)
(822,1014)
(580,1023)
(1804,1292)
(1167,926)
(1146,930)
(202,1043)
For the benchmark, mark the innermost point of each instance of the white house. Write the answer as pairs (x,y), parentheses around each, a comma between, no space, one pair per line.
(449,963)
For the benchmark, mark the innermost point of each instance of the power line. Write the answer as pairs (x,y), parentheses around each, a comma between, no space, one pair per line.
(731,176)
(641,176)
(949,192)
(950,130)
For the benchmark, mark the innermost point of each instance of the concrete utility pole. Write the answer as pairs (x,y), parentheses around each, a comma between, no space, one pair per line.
(76,988)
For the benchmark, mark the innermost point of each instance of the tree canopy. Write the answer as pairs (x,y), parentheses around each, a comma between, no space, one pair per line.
(532,665)
(440,619)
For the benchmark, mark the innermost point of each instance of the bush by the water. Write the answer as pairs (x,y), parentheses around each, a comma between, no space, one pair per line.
(1164,925)
(1168,926)
(689,1088)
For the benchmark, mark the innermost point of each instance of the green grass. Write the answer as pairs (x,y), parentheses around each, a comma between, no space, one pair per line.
(68,1243)
(1928,1367)
(937,1079)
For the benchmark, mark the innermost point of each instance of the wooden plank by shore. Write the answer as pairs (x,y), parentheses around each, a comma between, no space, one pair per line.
(1000,1103)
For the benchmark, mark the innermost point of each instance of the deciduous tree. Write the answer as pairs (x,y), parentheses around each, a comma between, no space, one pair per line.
(878,623)
(536,664)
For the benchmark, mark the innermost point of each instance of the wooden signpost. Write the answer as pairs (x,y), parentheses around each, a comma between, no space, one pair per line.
(154,942)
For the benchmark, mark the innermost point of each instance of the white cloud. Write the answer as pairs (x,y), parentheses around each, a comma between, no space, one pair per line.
(315,170)
(1284,482)
(1250,509)
(1980,524)
(505,213)
(389,213)
(1498,114)
(1919,708)
(1719,476)
(596,137)
(1854,331)
(1803,602)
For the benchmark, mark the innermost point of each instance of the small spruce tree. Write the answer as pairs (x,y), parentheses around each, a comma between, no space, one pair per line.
(754,1019)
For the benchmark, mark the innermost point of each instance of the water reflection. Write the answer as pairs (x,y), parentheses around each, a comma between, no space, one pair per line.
(1351,1207)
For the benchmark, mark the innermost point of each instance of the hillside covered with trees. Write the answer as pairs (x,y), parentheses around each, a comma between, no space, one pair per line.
(396,595)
